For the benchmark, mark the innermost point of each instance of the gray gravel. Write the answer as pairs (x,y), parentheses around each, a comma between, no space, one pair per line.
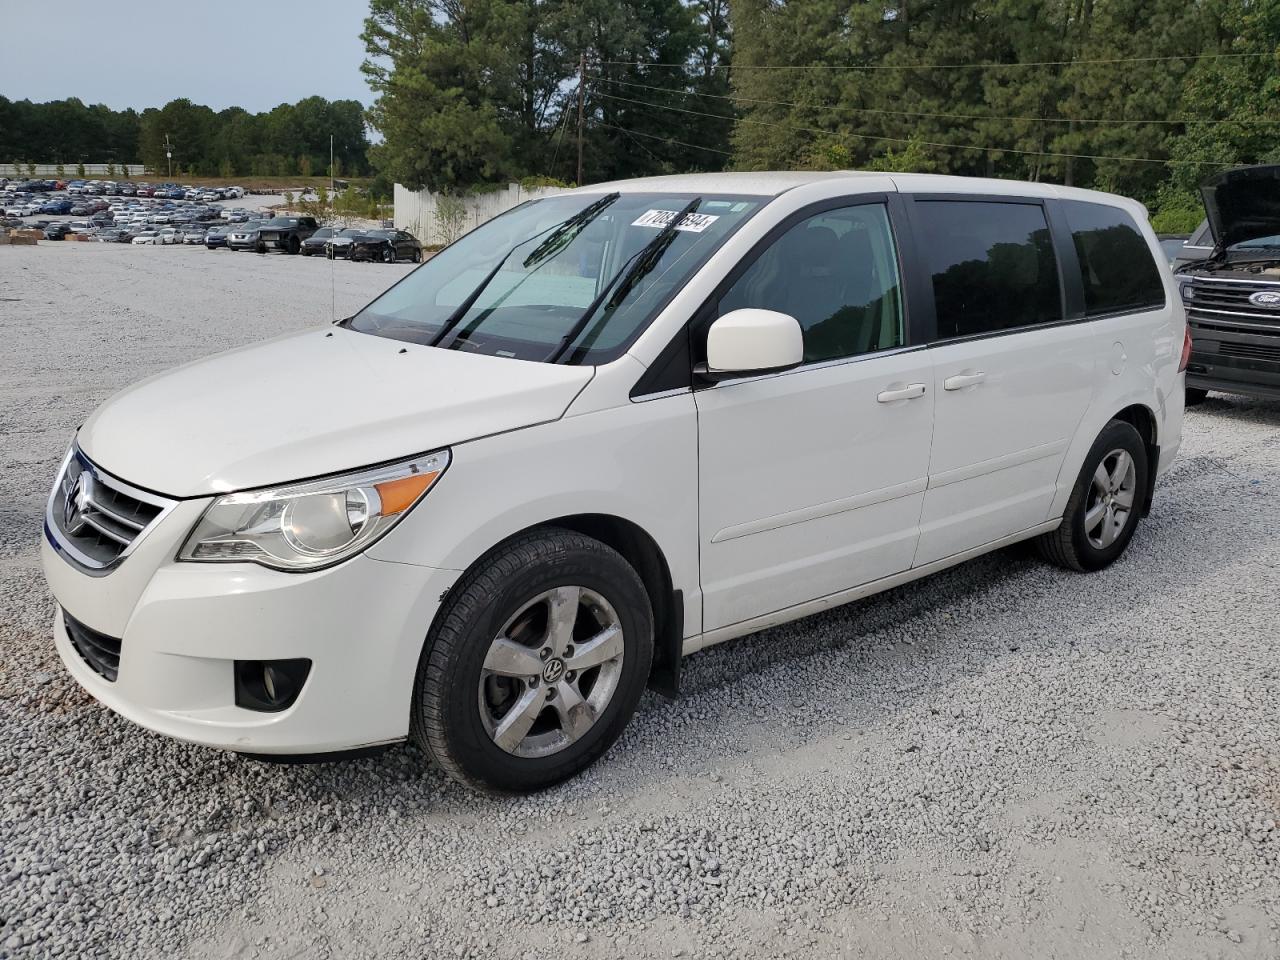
(1005,760)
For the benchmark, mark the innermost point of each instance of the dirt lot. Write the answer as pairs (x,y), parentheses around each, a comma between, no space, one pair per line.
(1003,761)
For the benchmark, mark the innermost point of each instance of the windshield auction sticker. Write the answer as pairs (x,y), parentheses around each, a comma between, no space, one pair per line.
(692,222)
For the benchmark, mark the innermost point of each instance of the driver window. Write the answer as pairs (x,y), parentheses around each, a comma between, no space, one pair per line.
(837,274)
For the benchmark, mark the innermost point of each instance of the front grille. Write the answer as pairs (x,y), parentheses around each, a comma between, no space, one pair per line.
(1249,351)
(95,518)
(1226,302)
(100,652)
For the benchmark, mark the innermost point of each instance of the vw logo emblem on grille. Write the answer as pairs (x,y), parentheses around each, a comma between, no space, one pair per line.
(553,671)
(77,504)
(1265,298)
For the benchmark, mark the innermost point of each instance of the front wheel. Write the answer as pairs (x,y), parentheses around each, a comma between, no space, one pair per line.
(1105,505)
(535,664)
(389,255)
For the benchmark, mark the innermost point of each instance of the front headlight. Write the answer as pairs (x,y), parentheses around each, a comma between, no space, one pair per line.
(306,526)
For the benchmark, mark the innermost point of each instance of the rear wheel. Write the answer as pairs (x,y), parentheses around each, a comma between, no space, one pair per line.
(1195,396)
(1105,505)
(417,255)
(535,664)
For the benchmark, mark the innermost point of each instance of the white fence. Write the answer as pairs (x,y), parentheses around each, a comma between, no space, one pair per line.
(69,170)
(415,210)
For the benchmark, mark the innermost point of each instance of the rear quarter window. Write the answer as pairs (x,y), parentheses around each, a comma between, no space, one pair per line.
(1117,269)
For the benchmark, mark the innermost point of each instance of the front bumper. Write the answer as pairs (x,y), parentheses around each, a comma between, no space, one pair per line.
(182,626)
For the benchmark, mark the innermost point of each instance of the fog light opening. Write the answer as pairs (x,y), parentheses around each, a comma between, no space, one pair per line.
(269,686)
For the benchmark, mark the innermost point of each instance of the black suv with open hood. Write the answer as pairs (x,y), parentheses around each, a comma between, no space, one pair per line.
(1233,295)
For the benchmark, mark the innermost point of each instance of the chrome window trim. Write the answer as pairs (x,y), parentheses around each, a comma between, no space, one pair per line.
(67,549)
(1194,278)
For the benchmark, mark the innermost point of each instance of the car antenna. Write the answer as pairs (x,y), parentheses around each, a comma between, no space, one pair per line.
(329,250)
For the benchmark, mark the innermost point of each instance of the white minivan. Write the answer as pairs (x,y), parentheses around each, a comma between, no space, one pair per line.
(600,432)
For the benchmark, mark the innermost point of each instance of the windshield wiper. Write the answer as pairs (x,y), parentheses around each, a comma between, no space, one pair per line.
(579,219)
(636,268)
(560,237)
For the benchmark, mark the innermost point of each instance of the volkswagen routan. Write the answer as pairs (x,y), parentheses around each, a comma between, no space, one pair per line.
(603,431)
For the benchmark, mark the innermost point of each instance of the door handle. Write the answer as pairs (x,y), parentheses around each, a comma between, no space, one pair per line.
(962,380)
(909,392)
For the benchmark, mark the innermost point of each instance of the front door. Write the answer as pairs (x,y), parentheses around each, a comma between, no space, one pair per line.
(811,481)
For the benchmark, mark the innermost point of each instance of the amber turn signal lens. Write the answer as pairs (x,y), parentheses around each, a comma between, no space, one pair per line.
(397,496)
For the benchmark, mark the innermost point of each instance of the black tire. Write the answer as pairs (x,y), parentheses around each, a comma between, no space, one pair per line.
(417,255)
(1195,396)
(446,710)
(294,246)
(389,255)
(1071,546)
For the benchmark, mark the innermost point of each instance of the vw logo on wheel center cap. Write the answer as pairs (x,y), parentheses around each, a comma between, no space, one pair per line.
(553,671)
(1265,298)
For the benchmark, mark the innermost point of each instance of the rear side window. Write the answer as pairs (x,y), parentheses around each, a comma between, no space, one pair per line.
(992,264)
(1116,267)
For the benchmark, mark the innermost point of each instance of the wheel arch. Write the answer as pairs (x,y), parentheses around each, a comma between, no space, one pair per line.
(645,556)
(1143,419)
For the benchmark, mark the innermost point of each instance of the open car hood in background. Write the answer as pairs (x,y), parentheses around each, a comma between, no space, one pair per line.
(1243,204)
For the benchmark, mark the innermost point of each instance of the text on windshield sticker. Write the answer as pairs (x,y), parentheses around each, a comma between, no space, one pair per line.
(692,222)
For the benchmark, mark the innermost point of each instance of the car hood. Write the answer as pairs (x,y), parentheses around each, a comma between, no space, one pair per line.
(1243,204)
(314,403)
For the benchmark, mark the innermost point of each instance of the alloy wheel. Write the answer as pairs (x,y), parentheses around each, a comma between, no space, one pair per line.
(551,671)
(1111,498)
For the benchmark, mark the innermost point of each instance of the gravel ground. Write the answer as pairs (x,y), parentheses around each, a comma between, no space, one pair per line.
(1005,760)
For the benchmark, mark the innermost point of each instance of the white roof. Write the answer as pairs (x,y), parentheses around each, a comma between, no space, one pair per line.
(764,184)
(772,183)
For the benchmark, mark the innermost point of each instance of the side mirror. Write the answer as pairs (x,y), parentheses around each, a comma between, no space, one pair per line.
(749,341)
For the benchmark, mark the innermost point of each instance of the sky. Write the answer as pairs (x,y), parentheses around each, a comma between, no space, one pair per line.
(254,54)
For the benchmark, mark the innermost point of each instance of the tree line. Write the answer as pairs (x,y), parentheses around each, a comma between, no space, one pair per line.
(1139,97)
(286,140)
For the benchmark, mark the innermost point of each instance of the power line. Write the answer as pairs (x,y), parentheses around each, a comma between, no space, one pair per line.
(564,122)
(651,136)
(933,66)
(907,113)
(906,140)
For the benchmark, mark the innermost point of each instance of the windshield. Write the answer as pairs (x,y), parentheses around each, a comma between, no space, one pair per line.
(281,222)
(554,271)
(1260,243)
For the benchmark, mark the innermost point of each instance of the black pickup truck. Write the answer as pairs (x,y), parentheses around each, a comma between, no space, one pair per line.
(1232,296)
(286,233)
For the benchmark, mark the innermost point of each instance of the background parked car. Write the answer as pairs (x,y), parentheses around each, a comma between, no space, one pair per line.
(386,246)
(245,236)
(315,243)
(286,233)
(339,245)
(1197,247)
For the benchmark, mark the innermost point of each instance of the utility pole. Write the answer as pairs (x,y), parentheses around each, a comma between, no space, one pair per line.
(582,79)
(331,171)
(168,152)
